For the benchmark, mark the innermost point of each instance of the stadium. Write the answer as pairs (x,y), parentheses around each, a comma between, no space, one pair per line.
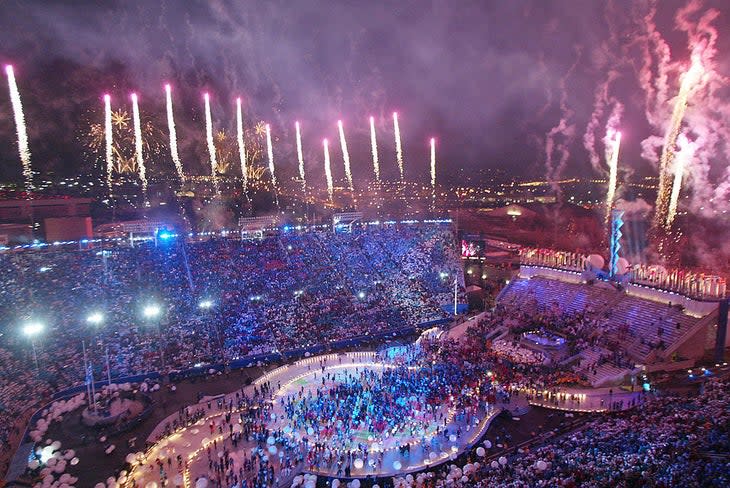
(365,244)
(343,353)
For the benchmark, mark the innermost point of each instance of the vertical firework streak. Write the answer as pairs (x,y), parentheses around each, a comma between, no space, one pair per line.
(20,128)
(300,157)
(345,156)
(613,144)
(109,141)
(374,150)
(241,146)
(433,172)
(398,148)
(138,145)
(328,169)
(173,134)
(689,80)
(211,145)
(681,160)
(270,151)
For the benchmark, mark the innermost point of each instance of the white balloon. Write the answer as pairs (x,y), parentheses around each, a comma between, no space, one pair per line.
(201,483)
(502,460)
(481,452)
(358,463)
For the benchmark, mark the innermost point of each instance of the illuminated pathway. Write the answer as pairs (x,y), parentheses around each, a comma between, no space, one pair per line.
(423,432)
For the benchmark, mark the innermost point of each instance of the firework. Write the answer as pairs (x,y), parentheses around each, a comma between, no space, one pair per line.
(613,144)
(20,128)
(689,80)
(374,149)
(328,169)
(345,155)
(270,152)
(211,144)
(138,144)
(241,145)
(109,141)
(173,134)
(684,155)
(433,169)
(300,156)
(398,148)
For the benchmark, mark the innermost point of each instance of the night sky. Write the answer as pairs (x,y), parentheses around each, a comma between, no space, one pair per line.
(488,79)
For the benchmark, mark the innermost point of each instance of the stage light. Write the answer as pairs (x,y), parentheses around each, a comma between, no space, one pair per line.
(33,329)
(151,311)
(95,318)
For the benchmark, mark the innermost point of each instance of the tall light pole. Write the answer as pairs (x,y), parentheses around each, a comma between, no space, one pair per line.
(96,319)
(205,305)
(456,296)
(151,312)
(31,330)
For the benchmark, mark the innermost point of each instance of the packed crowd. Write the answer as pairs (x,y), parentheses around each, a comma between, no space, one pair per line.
(669,441)
(290,291)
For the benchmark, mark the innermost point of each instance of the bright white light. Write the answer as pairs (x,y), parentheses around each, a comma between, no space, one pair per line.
(46,454)
(33,329)
(95,318)
(151,311)
(361,295)
(205,304)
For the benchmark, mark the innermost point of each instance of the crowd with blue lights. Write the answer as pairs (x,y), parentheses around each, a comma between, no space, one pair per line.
(178,303)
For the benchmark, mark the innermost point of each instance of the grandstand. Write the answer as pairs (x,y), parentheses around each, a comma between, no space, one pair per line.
(615,332)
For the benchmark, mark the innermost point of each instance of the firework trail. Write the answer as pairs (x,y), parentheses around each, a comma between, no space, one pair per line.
(689,80)
(398,148)
(270,151)
(109,141)
(20,128)
(685,152)
(433,171)
(564,129)
(138,145)
(374,149)
(601,99)
(345,156)
(328,169)
(173,133)
(241,146)
(300,157)
(211,145)
(613,144)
